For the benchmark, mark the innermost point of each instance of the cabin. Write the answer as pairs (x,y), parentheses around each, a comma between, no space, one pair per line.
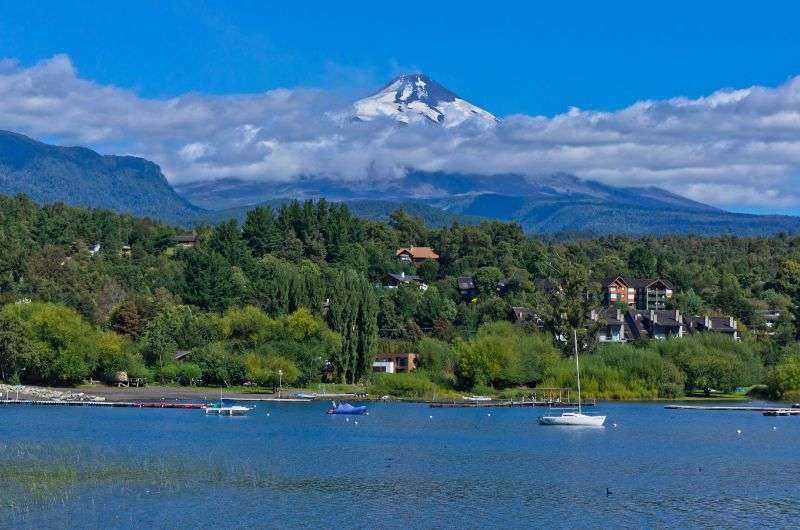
(416,255)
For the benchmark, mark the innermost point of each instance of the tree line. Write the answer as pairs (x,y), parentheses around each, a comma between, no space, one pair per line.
(120,283)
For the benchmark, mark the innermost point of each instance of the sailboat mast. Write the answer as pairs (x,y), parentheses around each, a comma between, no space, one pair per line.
(577,367)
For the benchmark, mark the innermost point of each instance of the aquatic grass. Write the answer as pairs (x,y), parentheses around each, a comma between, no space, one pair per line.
(32,474)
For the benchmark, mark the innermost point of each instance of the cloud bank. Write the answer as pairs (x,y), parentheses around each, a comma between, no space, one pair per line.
(732,148)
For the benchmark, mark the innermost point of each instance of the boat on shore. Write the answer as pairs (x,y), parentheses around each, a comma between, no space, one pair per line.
(346,408)
(477,398)
(575,419)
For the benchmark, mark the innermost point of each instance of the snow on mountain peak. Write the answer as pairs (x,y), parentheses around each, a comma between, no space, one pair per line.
(412,98)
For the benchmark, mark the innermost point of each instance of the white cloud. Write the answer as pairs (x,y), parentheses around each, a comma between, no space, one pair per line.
(730,148)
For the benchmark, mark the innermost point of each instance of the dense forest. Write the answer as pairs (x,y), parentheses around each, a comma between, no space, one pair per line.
(299,291)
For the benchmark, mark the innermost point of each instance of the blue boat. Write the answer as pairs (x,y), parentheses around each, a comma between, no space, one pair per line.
(346,408)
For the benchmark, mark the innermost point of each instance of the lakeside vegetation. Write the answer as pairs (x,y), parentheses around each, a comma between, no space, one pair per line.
(292,297)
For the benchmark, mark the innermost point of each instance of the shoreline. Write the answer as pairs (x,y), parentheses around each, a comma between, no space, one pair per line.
(159,393)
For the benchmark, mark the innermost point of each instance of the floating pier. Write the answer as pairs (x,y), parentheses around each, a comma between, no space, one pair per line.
(120,404)
(767,411)
(492,404)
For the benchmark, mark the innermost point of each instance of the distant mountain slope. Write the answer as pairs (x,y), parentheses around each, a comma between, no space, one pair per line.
(82,177)
(548,204)
(368,209)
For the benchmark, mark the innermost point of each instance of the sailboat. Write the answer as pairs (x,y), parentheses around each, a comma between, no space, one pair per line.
(574,418)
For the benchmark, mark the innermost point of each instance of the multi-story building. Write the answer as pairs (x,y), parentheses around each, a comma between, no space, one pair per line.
(637,293)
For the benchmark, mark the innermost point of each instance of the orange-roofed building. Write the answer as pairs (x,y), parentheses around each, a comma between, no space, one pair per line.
(416,254)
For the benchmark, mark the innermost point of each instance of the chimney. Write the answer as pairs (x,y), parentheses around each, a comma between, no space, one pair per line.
(677,315)
(619,314)
(707,322)
(653,317)
(732,322)
(402,274)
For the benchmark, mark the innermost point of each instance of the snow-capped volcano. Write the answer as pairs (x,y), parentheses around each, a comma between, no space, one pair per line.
(416,97)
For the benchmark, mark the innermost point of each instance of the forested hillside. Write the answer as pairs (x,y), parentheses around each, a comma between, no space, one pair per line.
(299,289)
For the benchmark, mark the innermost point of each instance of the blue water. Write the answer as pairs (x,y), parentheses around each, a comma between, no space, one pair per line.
(400,468)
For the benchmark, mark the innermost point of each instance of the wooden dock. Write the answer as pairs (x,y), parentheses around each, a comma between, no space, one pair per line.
(119,404)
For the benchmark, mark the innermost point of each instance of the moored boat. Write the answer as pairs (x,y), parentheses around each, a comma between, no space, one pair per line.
(346,408)
(576,419)
(219,409)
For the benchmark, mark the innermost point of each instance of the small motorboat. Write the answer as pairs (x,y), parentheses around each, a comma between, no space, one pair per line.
(305,395)
(346,408)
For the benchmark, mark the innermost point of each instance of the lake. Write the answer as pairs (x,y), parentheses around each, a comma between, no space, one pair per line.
(290,465)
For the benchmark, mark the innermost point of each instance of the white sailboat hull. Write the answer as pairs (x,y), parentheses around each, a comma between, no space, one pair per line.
(228,411)
(573,418)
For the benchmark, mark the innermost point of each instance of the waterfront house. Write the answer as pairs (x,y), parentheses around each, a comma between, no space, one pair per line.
(617,290)
(718,324)
(637,293)
(651,293)
(659,323)
(546,286)
(395,363)
(466,286)
(416,255)
(614,326)
(393,280)
(185,240)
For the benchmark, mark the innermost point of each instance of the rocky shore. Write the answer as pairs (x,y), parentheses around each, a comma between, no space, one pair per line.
(44,394)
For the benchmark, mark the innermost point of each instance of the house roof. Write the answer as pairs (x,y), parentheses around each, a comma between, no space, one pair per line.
(641,283)
(664,317)
(404,278)
(546,286)
(465,283)
(723,324)
(180,354)
(609,280)
(611,316)
(185,238)
(523,313)
(418,252)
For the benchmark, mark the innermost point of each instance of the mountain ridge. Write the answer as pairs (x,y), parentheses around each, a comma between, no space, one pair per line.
(82,177)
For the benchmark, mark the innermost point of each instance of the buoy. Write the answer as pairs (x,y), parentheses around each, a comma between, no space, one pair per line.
(356,422)
(489,414)
(267,413)
(614,425)
(430,417)
(738,431)
(347,419)
(774,428)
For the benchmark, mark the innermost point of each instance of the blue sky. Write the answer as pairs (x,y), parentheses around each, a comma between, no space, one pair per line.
(522,57)
(701,98)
